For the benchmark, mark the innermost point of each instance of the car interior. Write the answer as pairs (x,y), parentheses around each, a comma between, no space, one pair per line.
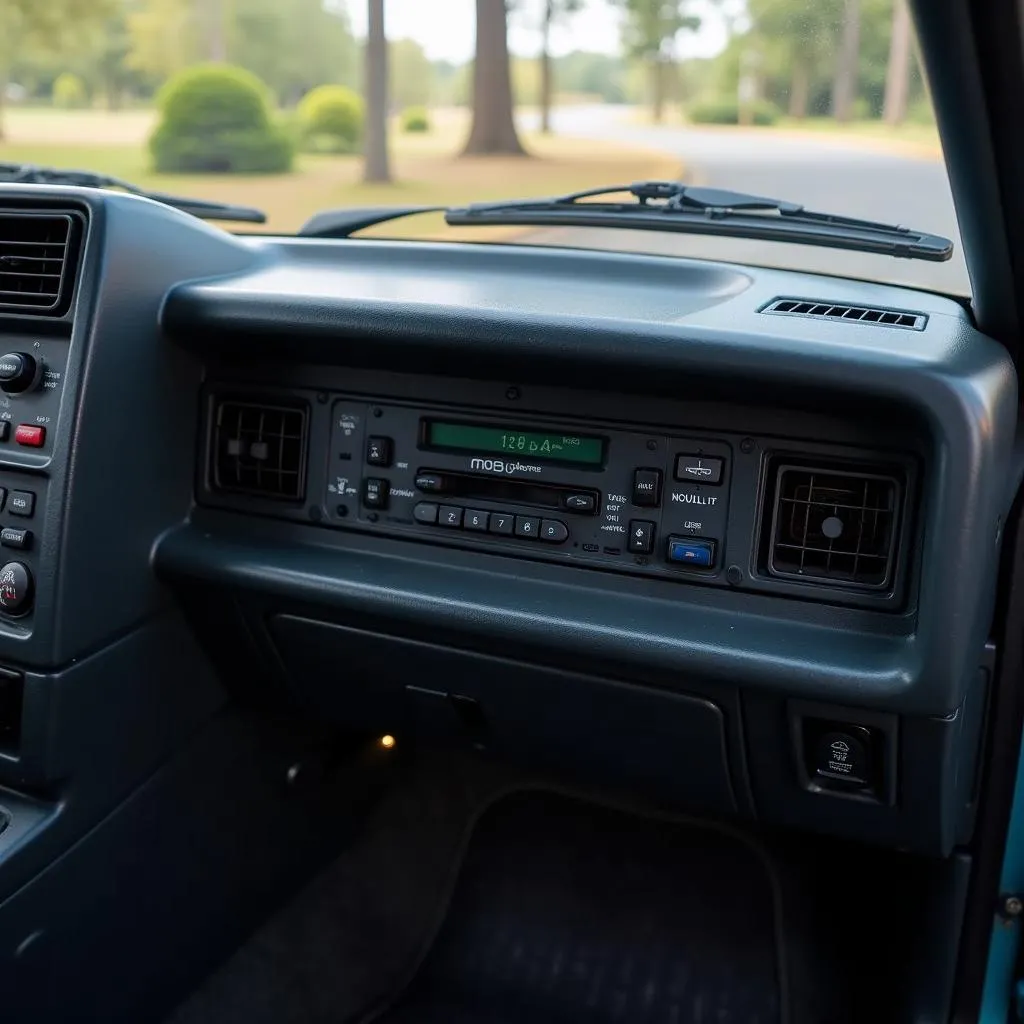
(418,631)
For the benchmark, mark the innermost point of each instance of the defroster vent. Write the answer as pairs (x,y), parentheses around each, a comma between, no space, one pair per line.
(835,526)
(38,257)
(842,311)
(260,449)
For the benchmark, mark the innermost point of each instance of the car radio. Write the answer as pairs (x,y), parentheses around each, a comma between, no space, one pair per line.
(632,500)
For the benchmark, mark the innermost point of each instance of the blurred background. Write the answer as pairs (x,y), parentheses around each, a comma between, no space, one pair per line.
(294,106)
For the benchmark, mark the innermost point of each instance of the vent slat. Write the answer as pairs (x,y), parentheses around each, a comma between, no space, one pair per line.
(260,450)
(834,525)
(860,314)
(35,271)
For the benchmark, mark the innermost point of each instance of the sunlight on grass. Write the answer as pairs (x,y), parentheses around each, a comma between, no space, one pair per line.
(426,168)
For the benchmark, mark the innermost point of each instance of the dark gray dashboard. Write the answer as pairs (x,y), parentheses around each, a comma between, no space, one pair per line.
(716,687)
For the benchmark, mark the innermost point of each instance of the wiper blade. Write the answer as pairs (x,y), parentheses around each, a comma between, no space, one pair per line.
(672,206)
(31,174)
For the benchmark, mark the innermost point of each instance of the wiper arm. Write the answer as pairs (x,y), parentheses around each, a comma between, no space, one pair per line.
(30,174)
(672,206)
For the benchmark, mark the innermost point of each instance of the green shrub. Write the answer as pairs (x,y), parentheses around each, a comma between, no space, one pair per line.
(217,119)
(331,119)
(727,111)
(415,119)
(69,91)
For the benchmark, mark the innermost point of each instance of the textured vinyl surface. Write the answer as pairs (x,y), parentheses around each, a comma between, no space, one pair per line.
(566,913)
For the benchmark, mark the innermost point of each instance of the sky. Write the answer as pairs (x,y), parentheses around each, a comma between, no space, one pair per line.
(445,28)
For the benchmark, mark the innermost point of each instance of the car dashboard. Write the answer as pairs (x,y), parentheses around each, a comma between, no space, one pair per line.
(723,535)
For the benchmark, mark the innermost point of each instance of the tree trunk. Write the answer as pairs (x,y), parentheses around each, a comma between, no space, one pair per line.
(376,165)
(494,126)
(844,88)
(545,68)
(658,90)
(3,101)
(213,13)
(799,89)
(897,75)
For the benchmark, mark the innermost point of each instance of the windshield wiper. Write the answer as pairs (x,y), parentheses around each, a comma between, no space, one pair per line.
(31,174)
(672,206)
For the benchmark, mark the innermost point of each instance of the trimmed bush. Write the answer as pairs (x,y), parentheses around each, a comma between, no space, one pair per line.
(69,91)
(217,119)
(331,119)
(415,119)
(727,111)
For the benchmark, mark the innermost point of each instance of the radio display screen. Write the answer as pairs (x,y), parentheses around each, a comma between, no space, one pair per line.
(474,437)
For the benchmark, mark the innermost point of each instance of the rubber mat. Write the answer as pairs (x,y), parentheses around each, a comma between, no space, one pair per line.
(567,913)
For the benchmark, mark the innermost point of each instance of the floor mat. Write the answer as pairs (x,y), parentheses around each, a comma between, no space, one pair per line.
(569,913)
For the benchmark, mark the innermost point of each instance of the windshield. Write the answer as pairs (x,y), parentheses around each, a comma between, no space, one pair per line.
(297,106)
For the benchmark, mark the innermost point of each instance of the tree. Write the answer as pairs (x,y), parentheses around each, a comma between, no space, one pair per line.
(650,32)
(844,88)
(897,75)
(48,25)
(412,74)
(553,10)
(375,165)
(164,37)
(798,42)
(493,129)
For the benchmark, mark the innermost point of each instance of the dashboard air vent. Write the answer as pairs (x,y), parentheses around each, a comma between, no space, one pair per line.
(834,526)
(260,449)
(861,314)
(38,253)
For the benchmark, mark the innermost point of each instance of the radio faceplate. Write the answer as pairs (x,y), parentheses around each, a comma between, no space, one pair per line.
(630,500)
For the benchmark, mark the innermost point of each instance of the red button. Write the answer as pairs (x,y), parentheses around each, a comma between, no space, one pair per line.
(31,437)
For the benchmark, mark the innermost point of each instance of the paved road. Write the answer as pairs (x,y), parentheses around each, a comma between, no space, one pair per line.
(824,174)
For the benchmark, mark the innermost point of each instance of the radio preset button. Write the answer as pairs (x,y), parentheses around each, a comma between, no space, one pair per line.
(375,492)
(699,470)
(475,519)
(501,522)
(641,537)
(579,502)
(527,526)
(647,488)
(378,451)
(451,516)
(553,531)
(425,512)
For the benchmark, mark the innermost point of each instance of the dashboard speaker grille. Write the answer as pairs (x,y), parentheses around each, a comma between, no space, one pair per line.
(260,449)
(38,252)
(834,526)
(861,314)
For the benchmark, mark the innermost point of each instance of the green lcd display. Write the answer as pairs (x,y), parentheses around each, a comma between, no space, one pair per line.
(534,444)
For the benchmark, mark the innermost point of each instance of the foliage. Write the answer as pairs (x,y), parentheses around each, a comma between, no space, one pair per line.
(69,91)
(331,119)
(216,118)
(727,111)
(412,74)
(415,119)
(651,27)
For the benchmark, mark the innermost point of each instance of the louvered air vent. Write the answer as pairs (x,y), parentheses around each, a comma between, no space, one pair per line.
(834,526)
(861,314)
(38,254)
(260,449)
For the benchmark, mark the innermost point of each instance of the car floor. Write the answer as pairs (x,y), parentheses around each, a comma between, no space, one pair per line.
(479,893)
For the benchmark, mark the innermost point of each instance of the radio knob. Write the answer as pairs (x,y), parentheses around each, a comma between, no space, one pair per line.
(15,588)
(19,372)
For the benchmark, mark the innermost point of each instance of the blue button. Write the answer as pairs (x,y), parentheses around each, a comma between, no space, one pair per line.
(691,551)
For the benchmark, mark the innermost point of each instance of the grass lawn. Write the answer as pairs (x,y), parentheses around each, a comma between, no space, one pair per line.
(426,168)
